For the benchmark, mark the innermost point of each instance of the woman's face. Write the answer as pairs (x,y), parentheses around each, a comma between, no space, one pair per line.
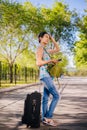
(45,39)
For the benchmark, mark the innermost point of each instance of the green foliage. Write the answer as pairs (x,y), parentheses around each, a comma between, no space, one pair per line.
(14,37)
(81,45)
(34,20)
(82,24)
(18,22)
(13,34)
(81,52)
(27,58)
(58,22)
(78,72)
(11,14)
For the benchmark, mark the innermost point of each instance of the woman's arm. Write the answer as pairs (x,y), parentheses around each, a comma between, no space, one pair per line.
(39,60)
(56,47)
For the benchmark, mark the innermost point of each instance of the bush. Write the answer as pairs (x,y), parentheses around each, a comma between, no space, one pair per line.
(78,72)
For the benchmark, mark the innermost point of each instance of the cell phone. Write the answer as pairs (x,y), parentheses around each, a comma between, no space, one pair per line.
(60,59)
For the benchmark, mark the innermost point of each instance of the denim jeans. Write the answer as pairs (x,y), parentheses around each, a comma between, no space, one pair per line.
(49,88)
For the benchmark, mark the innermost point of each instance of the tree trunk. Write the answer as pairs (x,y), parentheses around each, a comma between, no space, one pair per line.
(11,73)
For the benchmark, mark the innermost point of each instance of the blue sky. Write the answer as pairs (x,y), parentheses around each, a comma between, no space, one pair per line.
(79,5)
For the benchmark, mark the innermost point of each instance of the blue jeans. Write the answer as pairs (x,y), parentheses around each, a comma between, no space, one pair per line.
(49,88)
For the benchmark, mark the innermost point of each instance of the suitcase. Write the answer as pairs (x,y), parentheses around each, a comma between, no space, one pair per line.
(31,116)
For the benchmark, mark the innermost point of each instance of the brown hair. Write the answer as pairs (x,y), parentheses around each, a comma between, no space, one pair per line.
(41,34)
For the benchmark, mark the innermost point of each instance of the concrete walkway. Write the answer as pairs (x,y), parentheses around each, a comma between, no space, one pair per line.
(71,111)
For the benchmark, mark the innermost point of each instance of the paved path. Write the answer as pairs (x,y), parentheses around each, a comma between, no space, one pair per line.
(71,112)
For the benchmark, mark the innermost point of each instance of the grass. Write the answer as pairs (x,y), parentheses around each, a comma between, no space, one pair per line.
(7,84)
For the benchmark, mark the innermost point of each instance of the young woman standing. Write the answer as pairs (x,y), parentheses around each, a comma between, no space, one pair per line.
(42,59)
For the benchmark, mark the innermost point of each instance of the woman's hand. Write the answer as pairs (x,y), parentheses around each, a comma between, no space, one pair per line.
(56,46)
(54,61)
(51,38)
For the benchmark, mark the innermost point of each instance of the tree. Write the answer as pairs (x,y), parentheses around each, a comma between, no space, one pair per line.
(28,58)
(81,45)
(34,21)
(13,34)
(59,22)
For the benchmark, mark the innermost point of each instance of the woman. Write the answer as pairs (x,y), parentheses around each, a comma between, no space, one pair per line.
(42,59)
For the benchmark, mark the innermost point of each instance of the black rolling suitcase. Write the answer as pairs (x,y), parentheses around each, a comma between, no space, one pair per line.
(31,116)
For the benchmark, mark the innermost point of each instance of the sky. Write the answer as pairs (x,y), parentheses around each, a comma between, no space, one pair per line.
(79,5)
